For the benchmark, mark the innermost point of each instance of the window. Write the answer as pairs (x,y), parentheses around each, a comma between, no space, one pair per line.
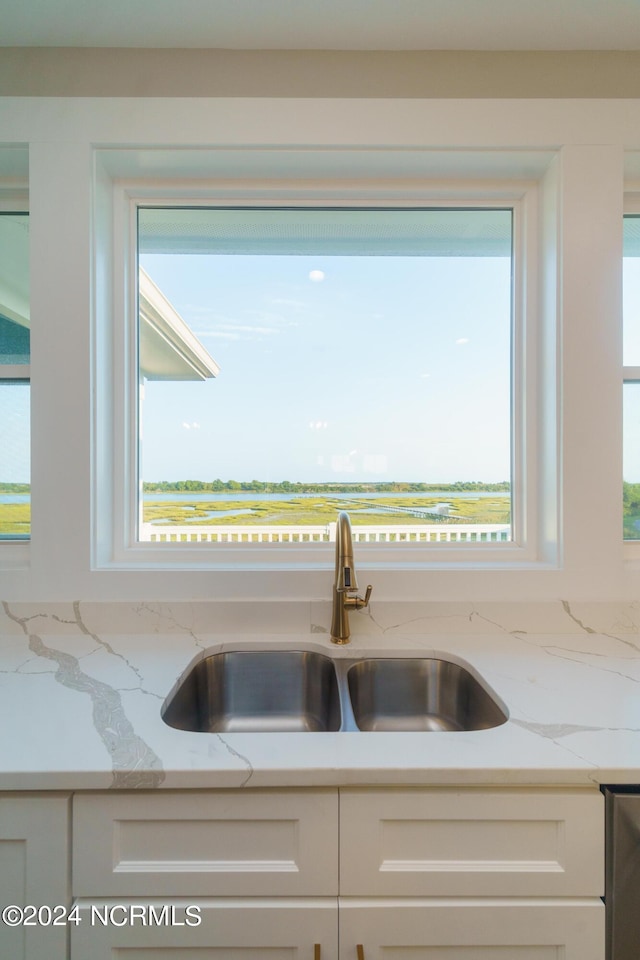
(14,377)
(631,388)
(296,361)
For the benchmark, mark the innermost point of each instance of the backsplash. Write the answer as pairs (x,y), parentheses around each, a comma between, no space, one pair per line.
(385,618)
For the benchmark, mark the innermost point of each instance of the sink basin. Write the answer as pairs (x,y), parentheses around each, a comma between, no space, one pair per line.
(251,691)
(419,694)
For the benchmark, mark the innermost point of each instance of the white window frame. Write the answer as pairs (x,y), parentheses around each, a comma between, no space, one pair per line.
(631,374)
(119,548)
(574,154)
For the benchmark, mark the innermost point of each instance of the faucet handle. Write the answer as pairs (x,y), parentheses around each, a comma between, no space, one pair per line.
(357,603)
(364,601)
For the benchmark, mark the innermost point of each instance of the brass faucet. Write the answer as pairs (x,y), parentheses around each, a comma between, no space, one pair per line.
(345,583)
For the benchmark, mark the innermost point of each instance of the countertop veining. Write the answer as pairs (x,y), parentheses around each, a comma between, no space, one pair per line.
(81,688)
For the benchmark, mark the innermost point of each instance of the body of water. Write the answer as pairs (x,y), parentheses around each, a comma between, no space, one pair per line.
(247,495)
(355,501)
(244,495)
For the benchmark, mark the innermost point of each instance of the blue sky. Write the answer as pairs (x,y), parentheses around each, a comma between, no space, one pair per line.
(332,368)
(14,433)
(336,368)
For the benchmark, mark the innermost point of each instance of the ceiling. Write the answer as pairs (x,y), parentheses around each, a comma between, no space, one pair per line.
(324,24)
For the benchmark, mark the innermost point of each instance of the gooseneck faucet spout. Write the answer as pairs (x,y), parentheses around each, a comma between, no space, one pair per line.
(345,586)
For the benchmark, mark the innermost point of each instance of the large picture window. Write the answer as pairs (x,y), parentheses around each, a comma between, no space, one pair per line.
(294,362)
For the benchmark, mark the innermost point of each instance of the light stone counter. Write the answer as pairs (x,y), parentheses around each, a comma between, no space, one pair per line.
(82,685)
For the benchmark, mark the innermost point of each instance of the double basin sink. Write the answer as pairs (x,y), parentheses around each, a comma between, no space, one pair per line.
(296,691)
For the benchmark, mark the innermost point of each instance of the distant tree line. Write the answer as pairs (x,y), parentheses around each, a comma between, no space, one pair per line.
(631,497)
(15,487)
(287,486)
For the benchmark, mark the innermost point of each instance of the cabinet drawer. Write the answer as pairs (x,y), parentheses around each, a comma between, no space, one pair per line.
(223,843)
(472,842)
(229,929)
(473,929)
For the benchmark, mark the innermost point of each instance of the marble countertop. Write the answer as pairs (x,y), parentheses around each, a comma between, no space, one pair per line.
(81,690)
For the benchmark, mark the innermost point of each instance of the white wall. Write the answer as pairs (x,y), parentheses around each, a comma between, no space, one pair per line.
(573,150)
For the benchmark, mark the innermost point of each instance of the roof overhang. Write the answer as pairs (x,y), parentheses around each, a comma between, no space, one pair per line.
(168,348)
(14,267)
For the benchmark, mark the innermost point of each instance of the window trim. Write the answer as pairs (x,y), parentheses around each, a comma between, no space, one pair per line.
(630,374)
(115,502)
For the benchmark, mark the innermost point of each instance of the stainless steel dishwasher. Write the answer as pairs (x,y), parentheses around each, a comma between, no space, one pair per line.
(622,872)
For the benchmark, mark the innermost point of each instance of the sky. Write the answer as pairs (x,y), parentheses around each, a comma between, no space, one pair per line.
(343,368)
(336,368)
(332,369)
(15,436)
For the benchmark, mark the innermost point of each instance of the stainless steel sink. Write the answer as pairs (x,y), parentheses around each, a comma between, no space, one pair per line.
(301,691)
(419,694)
(257,691)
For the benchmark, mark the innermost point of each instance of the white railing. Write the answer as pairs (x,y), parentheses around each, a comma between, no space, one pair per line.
(326,533)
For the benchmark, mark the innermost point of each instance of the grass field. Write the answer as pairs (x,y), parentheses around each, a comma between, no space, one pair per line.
(15,518)
(320,510)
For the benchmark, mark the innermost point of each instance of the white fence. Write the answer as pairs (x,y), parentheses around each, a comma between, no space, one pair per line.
(326,533)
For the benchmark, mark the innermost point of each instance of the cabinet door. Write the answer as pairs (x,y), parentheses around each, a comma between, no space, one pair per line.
(34,870)
(225,843)
(471,930)
(471,842)
(305,929)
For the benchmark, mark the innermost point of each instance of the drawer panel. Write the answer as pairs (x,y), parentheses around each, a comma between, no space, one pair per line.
(441,842)
(293,929)
(441,929)
(213,844)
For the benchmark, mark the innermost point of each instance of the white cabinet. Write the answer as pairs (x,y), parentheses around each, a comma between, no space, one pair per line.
(206,843)
(34,871)
(230,929)
(425,873)
(473,842)
(470,929)
(473,874)
(260,867)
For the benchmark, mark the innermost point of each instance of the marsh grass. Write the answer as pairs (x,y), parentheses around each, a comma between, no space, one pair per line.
(15,518)
(299,511)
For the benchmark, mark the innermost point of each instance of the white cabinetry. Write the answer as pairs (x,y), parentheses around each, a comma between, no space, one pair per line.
(472,874)
(428,873)
(470,929)
(34,871)
(260,866)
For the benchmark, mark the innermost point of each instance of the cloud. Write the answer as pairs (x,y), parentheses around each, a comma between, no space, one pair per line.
(230,330)
(246,328)
(288,302)
(216,334)
(253,324)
